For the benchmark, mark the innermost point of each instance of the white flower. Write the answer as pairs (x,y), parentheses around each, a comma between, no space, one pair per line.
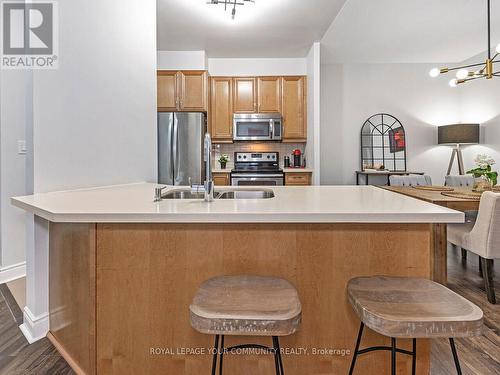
(483,161)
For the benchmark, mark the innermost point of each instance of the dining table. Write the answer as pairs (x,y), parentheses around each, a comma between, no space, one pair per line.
(456,198)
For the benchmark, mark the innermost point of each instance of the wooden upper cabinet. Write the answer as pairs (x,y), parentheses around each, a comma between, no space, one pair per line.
(193,95)
(221,109)
(269,94)
(182,91)
(294,109)
(167,91)
(245,95)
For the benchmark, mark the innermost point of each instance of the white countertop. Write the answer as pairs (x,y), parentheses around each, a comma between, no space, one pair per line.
(286,170)
(294,170)
(220,170)
(133,203)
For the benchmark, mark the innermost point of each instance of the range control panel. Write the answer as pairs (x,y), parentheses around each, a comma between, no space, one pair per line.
(242,157)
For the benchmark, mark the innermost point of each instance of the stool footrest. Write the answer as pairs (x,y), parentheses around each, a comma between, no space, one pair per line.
(220,350)
(389,348)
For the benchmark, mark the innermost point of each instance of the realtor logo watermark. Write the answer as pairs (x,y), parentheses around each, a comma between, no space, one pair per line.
(29,37)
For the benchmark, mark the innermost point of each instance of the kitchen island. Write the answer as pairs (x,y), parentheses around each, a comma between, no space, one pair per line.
(123,270)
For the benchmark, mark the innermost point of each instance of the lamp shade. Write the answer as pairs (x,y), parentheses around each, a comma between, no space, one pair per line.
(458,134)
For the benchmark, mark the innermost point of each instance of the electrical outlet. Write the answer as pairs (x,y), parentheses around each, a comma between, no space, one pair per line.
(21,147)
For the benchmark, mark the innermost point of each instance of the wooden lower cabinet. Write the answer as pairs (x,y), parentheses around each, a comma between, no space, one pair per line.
(72,299)
(222,178)
(298,178)
(120,293)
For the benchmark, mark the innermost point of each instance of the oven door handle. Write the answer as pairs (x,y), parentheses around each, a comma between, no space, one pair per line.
(237,175)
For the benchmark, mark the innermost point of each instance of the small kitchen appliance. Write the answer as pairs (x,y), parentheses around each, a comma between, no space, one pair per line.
(297,158)
(257,127)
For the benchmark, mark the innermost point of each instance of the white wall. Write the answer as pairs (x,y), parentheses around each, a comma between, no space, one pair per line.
(182,60)
(353,92)
(257,67)
(13,90)
(95,119)
(313,150)
(479,103)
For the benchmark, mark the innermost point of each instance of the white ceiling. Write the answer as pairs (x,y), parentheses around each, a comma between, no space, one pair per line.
(392,31)
(268,28)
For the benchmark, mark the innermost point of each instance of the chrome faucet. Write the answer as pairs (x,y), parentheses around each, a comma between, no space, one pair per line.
(158,193)
(209,183)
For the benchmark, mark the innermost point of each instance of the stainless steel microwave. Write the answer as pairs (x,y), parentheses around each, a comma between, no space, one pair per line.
(257,127)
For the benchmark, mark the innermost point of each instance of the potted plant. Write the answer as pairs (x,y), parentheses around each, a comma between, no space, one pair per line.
(223,159)
(485,177)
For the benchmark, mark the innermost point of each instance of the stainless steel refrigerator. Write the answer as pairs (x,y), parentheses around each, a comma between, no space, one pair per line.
(180,148)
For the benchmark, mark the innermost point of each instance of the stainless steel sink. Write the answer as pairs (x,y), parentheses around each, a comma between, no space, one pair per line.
(246,194)
(183,194)
(227,194)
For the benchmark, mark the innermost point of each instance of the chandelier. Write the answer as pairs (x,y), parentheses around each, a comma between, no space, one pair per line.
(230,4)
(472,72)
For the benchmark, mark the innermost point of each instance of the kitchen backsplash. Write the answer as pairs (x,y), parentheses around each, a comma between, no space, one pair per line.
(230,148)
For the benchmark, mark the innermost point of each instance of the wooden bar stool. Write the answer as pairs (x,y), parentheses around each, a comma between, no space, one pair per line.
(411,308)
(246,306)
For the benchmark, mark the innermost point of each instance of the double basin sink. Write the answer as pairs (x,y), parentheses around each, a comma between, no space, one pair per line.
(224,194)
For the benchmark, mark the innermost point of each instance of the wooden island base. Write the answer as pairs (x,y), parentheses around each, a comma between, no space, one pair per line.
(119,293)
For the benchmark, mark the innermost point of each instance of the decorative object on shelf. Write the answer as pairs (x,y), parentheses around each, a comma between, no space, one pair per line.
(485,177)
(223,159)
(483,70)
(383,144)
(458,135)
(230,4)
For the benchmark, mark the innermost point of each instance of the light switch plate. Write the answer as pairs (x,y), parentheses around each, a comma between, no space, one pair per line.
(21,147)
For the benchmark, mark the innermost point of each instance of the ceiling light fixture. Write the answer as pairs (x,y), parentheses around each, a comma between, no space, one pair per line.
(230,4)
(486,70)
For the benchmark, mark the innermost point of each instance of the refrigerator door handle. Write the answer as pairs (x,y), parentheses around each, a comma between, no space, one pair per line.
(175,148)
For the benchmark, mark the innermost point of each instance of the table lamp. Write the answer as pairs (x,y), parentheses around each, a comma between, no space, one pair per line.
(458,135)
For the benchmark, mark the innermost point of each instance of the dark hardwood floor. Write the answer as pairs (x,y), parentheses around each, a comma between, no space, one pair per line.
(478,356)
(481,355)
(17,357)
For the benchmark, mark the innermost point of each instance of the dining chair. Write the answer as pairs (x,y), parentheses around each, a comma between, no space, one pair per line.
(482,238)
(463,181)
(466,181)
(410,180)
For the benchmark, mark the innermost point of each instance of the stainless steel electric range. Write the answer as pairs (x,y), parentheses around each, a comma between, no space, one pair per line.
(257,169)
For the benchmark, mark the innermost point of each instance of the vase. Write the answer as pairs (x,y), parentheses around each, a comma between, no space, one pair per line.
(222,165)
(482,184)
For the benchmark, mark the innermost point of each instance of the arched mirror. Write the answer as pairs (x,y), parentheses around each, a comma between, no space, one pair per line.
(383,143)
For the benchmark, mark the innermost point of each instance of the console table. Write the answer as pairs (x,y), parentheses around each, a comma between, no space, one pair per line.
(387,174)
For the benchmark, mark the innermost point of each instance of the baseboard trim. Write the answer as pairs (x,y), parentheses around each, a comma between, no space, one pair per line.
(15,310)
(34,327)
(71,362)
(13,272)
